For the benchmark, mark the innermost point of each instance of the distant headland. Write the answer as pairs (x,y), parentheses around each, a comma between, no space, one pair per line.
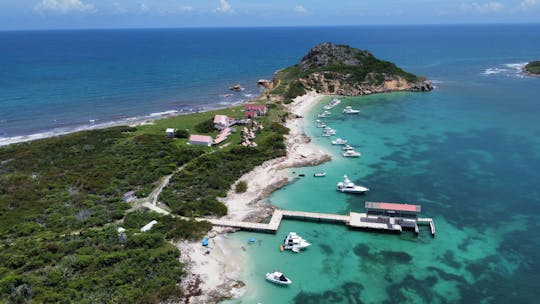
(532,68)
(342,70)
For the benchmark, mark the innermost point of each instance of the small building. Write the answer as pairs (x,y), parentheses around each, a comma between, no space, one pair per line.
(171,132)
(260,109)
(129,196)
(392,209)
(250,114)
(148,226)
(201,140)
(223,121)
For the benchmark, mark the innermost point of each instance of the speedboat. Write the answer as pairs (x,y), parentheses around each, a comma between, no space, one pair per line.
(347,147)
(339,141)
(351,153)
(294,242)
(346,186)
(277,277)
(326,134)
(321,125)
(327,112)
(322,115)
(319,174)
(350,110)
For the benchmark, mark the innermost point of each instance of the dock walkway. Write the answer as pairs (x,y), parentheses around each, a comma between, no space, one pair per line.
(353,220)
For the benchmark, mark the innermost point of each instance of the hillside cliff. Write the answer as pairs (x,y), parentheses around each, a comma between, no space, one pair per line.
(342,70)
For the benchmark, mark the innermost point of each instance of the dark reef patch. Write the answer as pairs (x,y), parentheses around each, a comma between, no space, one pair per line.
(348,292)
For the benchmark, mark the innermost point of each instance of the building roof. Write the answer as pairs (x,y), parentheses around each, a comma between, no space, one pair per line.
(393,207)
(221,119)
(170,130)
(200,138)
(250,113)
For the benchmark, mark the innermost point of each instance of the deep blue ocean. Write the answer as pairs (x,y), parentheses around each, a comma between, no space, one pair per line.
(468,152)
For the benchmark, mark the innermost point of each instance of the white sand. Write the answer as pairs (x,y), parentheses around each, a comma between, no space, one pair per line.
(223,261)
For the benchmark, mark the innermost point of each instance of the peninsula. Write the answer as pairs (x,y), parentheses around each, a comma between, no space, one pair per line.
(532,68)
(89,216)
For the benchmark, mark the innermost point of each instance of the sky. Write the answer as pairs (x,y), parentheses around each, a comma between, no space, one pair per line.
(77,14)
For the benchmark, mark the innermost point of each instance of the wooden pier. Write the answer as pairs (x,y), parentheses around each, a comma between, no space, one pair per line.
(353,220)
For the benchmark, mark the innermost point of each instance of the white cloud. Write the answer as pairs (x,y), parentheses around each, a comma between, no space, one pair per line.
(118,8)
(143,8)
(224,7)
(64,6)
(476,7)
(187,8)
(526,4)
(300,9)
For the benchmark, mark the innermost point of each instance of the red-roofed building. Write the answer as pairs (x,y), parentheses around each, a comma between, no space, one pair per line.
(250,114)
(201,140)
(260,109)
(392,209)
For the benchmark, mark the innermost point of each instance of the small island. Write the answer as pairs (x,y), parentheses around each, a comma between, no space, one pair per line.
(85,217)
(532,68)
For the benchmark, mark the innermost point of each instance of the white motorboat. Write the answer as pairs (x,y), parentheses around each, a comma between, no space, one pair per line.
(321,125)
(351,153)
(347,186)
(277,277)
(339,141)
(326,134)
(347,147)
(294,242)
(319,174)
(322,115)
(327,112)
(331,132)
(350,110)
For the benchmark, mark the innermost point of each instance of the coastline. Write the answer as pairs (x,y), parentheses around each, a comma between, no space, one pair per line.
(226,260)
(128,121)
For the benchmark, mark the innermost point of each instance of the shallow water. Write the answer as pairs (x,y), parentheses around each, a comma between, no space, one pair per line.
(468,152)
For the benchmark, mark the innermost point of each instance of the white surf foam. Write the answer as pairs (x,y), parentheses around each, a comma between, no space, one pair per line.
(507,70)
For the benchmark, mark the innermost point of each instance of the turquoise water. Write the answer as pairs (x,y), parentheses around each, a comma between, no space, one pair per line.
(468,152)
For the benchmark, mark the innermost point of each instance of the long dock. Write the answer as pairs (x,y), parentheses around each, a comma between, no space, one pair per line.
(353,220)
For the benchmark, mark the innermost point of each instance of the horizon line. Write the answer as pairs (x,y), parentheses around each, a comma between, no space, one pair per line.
(267,26)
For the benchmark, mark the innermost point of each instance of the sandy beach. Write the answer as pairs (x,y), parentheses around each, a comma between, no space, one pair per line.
(225,260)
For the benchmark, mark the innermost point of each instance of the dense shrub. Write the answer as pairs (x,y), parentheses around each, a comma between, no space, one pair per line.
(206,126)
(241,187)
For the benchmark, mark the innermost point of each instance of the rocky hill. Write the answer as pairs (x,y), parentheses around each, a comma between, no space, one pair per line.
(532,68)
(342,70)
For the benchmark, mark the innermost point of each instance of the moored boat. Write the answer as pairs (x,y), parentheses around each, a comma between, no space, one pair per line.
(277,277)
(339,141)
(319,174)
(350,110)
(351,153)
(347,147)
(346,186)
(295,242)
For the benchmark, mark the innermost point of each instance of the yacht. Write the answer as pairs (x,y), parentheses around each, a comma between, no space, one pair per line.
(347,186)
(277,277)
(350,110)
(322,115)
(330,132)
(321,125)
(351,153)
(326,134)
(294,242)
(339,141)
(347,147)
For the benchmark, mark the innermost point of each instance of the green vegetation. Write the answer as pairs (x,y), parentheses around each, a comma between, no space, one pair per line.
(241,187)
(533,67)
(61,205)
(336,62)
(206,126)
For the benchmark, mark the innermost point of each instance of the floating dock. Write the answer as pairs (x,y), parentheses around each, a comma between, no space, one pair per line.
(379,216)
